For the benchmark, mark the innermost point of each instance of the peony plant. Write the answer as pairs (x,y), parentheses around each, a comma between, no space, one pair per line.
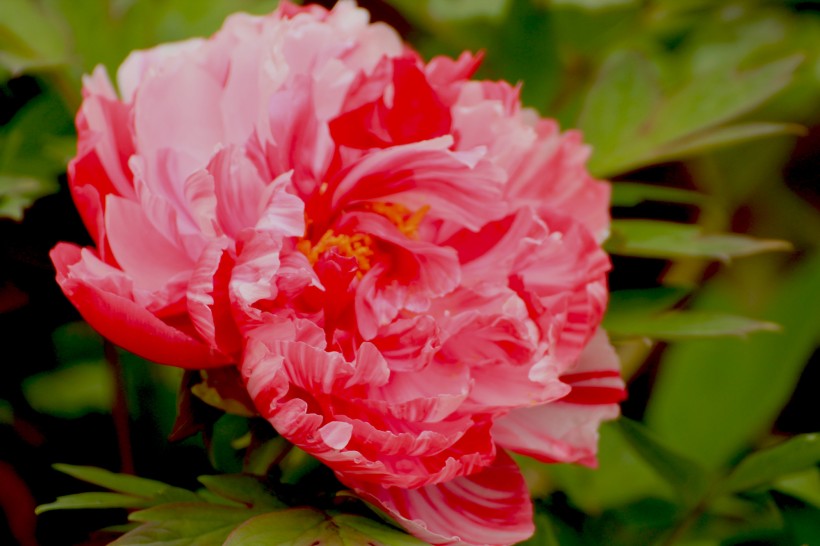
(403,264)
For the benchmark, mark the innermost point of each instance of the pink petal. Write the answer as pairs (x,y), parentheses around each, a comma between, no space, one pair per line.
(128,324)
(567,431)
(209,306)
(457,186)
(489,508)
(143,252)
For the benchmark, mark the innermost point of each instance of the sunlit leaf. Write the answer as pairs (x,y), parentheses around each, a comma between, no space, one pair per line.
(122,483)
(630,122)
(655,239)
(283,528)
(804,485)
(629,194)
(94,500)
(673,325)
(686,476)
(184,524)
(763,467)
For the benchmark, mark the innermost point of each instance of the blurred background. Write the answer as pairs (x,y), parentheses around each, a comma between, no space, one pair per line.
(706,115)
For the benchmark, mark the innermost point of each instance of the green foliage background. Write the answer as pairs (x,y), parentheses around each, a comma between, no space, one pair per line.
(707,117)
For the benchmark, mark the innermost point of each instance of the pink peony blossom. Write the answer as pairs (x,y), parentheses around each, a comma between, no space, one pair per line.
(404,263)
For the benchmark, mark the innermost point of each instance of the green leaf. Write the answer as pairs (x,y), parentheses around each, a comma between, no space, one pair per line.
(466,9)
(617,107)
(686,476)
(223,388)
(184,524)
(800,519)
(669,240)
(224,456)
(593,5)
(630,123)
(122,483)
(245,489)
(93,500)
(19,192)
(804,485)
(622,476)
(629,194)
(706,102)
(624,304)
(675,325)
(712,399)
(308,527)
(713,139)
(355,530)
(295,527)
(765,466)
(72,391)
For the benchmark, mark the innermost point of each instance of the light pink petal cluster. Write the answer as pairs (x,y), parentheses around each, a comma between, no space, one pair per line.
(404,263)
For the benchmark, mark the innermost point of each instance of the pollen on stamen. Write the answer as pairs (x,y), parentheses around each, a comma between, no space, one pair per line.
(408,222)
(358,246)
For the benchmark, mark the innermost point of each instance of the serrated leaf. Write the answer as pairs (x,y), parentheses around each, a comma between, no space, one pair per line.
(93,500)
(308,527)
(765,466)
(122,483)
(670,240)
(629,194)
(184,524)
(677,325)
(294,527)
(245,489)
(685,475)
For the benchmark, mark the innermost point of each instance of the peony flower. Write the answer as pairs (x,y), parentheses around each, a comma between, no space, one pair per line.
(404,263)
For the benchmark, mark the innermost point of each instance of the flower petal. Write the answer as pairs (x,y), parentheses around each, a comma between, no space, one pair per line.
(489,508)
(128,324)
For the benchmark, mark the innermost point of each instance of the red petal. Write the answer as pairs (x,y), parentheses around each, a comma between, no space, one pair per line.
(128,324)
(489,508)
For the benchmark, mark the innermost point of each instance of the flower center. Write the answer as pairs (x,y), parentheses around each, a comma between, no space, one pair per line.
(360,245)
(356,246)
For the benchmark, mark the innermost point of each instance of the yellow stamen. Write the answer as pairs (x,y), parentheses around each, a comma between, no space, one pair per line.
(355,246)
(408,222)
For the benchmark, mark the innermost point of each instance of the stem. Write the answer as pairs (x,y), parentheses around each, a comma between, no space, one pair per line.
(120,414)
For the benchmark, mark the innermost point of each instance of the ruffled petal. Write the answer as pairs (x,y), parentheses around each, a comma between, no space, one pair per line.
(126,323)
(489,508)
(567,430)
